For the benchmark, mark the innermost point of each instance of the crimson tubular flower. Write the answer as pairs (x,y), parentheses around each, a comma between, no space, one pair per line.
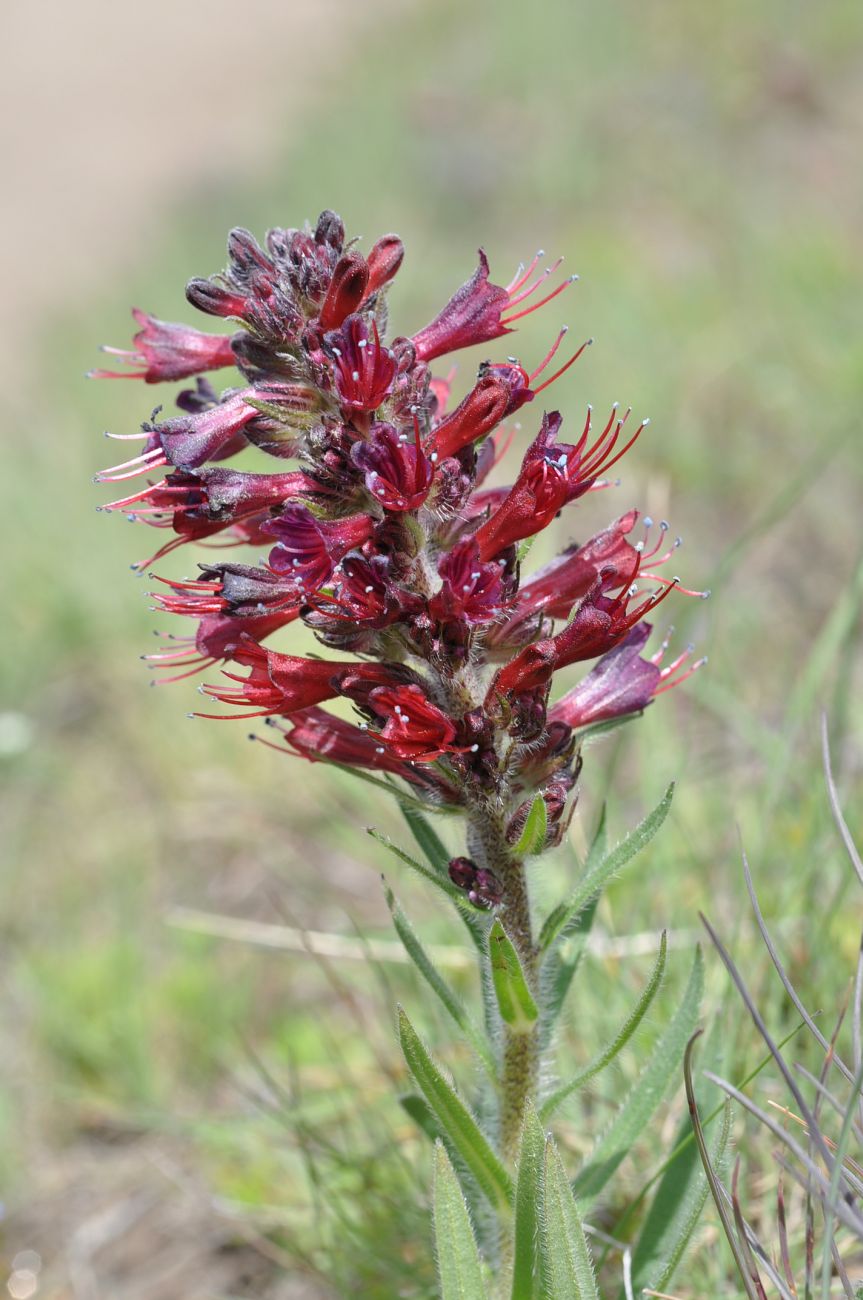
(384,538)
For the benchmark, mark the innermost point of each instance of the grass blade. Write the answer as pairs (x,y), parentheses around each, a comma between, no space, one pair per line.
(675,1213)
(514,998)
(456,1121)
(436,981)
(566,1265)
(595,879)
(647,1092)
(617,1043)
(458,1263)
(528,1200)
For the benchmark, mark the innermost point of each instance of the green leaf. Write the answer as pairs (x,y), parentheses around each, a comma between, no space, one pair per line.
(438,857)
(456,1121)
(559,971)
(528,1200)
(458,1263)
(567,1269)
(619,1041)
(418,1109)
(426,837)
(594,879)
(358,774)
(675,1213)
(533,835)
(647,1092)
(442,882)
(514,999)
(433,977)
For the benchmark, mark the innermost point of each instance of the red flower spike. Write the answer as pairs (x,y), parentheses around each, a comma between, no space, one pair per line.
(384,261)
(347,290)
(397,472)
(601,621)
(477,312)
(499,391)
(529,671)
(309,549)
(239,590)
(621,683)
(470,589)
(542,488)
(205,501)
(415,729)
(363,369)
(279,683)
(187,441)
(164,350)
(216,639)
(318,736)
(554,589)
(551,476)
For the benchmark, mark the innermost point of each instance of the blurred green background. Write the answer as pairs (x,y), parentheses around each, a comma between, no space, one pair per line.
(699,166)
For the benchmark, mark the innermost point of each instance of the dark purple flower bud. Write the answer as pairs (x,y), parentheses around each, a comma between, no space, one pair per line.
(215,300)
(330,230)
(397,472)
(462,872)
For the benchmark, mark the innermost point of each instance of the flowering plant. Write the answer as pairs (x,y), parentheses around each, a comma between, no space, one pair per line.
(388,540)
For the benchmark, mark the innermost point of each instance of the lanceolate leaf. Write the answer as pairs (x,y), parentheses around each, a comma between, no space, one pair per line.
(456,1121)
(528,1200)
(458,1262)
(567,1269)
(427,873)
(619,1041)
(418,1109)
(558,971)
(514,998)
(594,879)
(426,837)
(647,1092)
(432,975)
(533,835)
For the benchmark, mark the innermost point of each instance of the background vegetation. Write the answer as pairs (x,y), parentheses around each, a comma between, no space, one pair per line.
(699,167)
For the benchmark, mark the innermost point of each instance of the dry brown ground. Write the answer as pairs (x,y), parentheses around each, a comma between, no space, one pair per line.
(109,114)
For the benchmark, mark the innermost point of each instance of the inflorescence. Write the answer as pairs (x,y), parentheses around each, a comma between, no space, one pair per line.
(382,536)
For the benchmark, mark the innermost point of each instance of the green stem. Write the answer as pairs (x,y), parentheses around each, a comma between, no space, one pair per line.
(521,1051)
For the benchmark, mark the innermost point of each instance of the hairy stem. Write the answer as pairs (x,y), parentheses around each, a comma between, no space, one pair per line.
(520,1072)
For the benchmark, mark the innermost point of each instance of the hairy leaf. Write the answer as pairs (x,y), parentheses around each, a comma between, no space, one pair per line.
(456,1120)
(433,977)
(458,1262)
(533,835)
(617,1043)
(528,1199)
(647,1092)
(595,879)
(514,998)
(567,1269)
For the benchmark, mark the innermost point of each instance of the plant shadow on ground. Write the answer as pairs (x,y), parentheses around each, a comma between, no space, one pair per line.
(694,165)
